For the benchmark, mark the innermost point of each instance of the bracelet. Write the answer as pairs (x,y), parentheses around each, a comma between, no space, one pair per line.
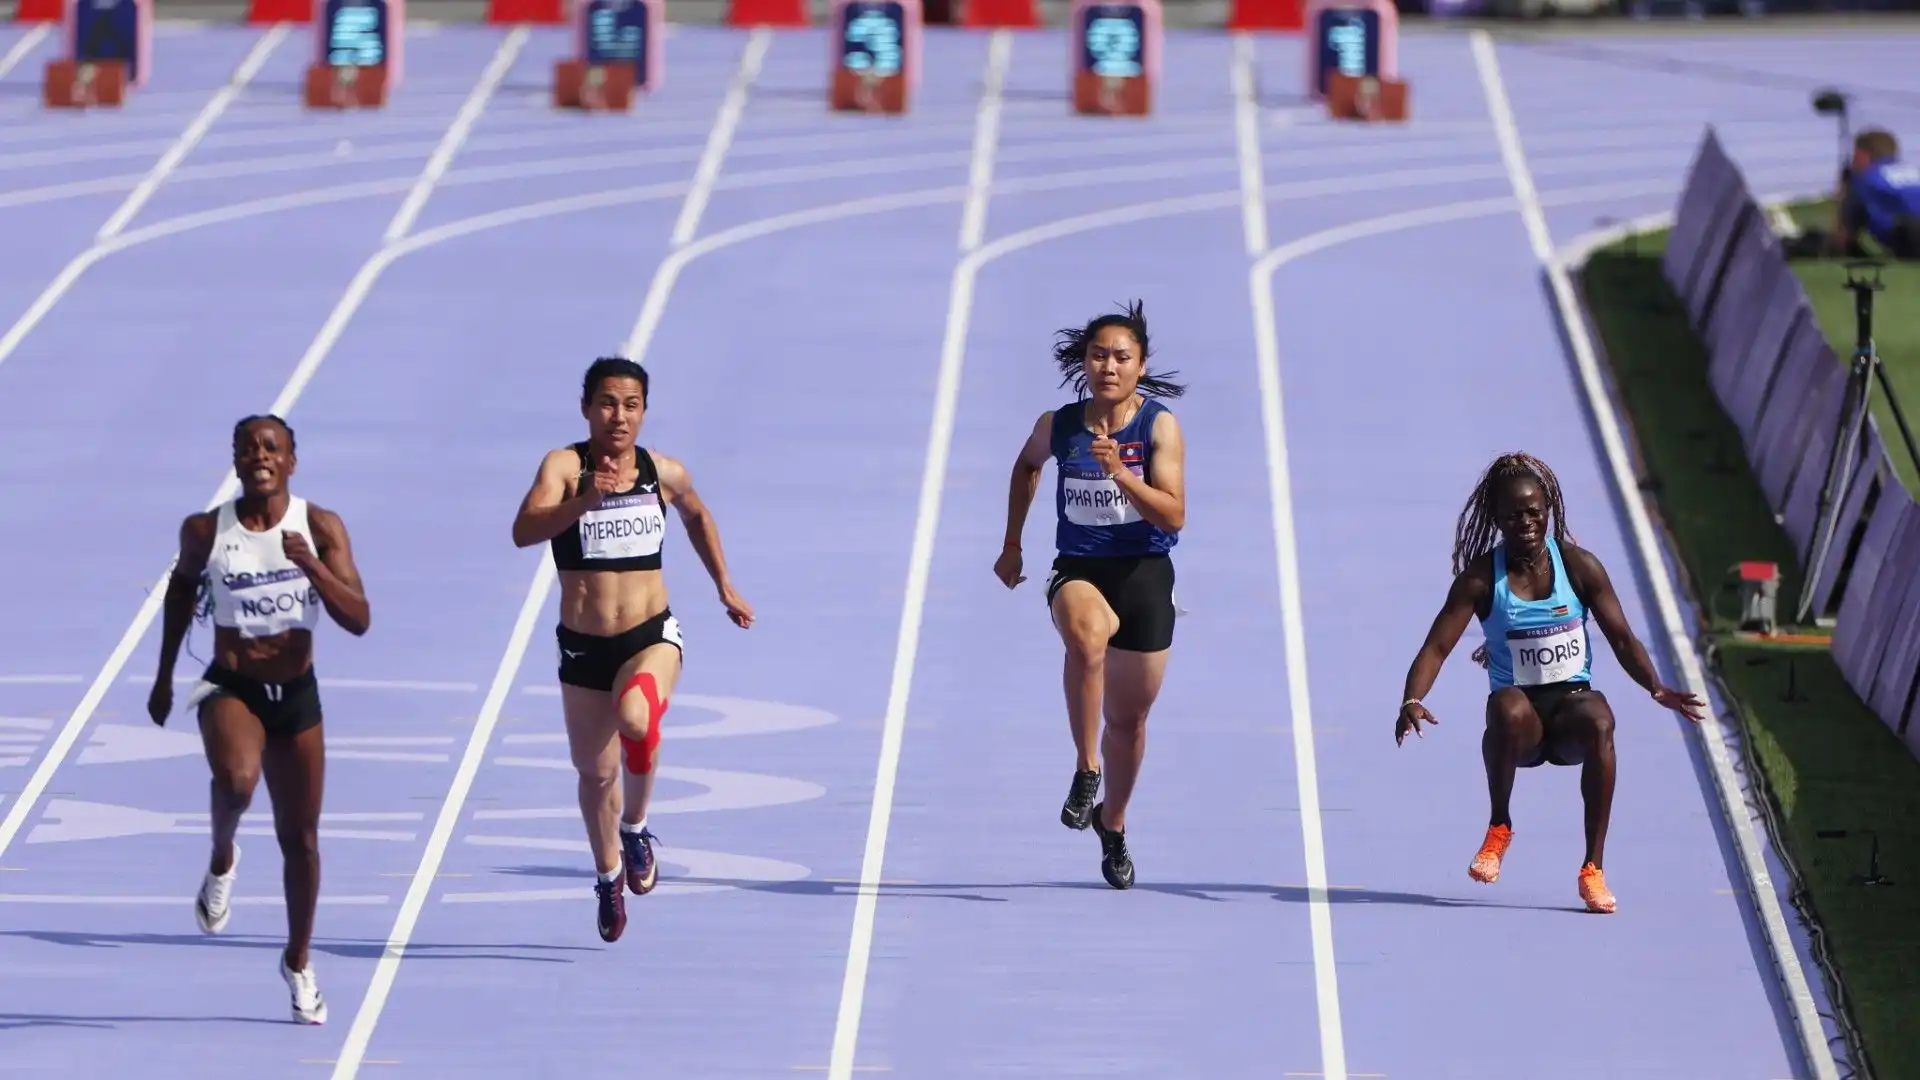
(1411,701)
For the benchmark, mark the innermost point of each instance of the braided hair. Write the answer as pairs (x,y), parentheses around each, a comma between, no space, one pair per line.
(1070,352)
(1476,533)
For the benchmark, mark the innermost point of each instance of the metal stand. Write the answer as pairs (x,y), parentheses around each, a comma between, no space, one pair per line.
(1831,103)
(1854,410)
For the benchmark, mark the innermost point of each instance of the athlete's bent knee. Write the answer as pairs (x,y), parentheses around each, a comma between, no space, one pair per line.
(1594,726)
(640,752)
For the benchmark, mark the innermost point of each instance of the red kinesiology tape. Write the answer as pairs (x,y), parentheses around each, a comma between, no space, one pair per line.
(639,754)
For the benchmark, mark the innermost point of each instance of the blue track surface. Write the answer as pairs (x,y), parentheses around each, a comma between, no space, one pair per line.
(797,357)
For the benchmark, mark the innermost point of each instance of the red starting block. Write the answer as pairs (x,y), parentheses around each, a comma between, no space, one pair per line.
(106,49)
(357,53)
(618,50)
(1360,38)
(876,54)
(1366,99)
(1115,56)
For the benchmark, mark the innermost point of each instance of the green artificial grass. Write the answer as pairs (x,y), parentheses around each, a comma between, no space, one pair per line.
(1828,762)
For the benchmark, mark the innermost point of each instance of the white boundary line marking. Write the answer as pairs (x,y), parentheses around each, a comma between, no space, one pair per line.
(926,527)
(24,46)
(1810,1030)
(721,137)
(1246,110)
(303,373)
(986,142)
(387,970)
(456,136)
(256,57)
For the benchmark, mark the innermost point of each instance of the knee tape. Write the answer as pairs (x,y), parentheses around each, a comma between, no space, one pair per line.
(639,753)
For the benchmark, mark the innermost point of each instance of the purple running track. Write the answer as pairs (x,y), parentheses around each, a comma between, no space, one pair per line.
(796,362)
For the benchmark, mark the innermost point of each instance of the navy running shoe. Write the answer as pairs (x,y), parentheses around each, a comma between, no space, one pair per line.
(1115,864)
(636,850)
(613,909)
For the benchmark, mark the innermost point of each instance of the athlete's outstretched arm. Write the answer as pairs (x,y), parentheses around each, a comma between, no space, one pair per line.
(546,511)
(332,569)
(1595,589)
(677,484)
(176,611)
(1025,481)
(1463,599)
(1163,502)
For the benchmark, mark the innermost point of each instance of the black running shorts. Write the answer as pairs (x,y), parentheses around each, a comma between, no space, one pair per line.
(283,709)
(1549,701)
(592,662)
(1139,589)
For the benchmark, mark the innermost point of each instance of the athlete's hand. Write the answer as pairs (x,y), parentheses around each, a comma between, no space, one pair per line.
(737,609)
(160,701)
(1007,568)
(298,551)
(606,481)
(1412,715)
(1107,453)
(1683,703)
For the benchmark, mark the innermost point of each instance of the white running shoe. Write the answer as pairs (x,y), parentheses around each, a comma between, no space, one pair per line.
(214,904)
(309,1005)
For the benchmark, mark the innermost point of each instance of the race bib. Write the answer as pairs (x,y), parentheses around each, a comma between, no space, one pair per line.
(1548,654)
(623,527)
(1094,498)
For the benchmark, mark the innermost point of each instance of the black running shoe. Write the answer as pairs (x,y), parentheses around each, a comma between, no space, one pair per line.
(1115,864)
(1086,784)
(613,908)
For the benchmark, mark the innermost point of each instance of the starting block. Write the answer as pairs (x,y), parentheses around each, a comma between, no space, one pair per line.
(1359,38)
(876,54)
(1366,99)
(618,50)
(357,49)
(106,50)
(1115,56)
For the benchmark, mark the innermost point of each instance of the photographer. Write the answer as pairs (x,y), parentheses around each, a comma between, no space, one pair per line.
(1879,195)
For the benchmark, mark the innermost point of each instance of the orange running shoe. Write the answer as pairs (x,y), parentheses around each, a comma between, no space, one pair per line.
(1486,865)
(1593,889)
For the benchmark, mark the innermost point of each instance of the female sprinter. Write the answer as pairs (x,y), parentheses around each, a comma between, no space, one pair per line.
(1533,593)
(1121,501)
(267,562)
(600,504)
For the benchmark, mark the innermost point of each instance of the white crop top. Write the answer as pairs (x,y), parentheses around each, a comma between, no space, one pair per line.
(255,588)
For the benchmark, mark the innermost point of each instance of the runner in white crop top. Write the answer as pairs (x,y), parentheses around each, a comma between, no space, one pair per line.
(1542,708)
(600,507)
(267,564)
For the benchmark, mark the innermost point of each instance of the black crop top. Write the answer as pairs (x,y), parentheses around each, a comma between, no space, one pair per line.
(627,529)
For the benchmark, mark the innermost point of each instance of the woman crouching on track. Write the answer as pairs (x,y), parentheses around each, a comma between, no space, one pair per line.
(1120,498)
(601,505)
(1533,593)
(267,562)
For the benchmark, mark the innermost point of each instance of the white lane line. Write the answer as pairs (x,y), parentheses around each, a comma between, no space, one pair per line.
(1806,1014)
(456,136)
(986,141)
(721,137)
(1246,110)
(316,354)
(249,67)
(387,970)
(24,46)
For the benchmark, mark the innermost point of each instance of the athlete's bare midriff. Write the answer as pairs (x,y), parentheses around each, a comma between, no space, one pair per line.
(609,602)
(277,659)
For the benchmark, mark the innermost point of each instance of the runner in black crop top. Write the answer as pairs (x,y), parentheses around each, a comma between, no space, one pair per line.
(618,640)
(624,532)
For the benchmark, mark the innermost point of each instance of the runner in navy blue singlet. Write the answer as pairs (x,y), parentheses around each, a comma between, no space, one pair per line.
(1120,502)
(1534,592)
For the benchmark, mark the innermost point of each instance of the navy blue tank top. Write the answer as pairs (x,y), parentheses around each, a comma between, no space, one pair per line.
(1095,517)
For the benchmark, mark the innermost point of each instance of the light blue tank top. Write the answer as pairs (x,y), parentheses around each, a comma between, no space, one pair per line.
(1536,642)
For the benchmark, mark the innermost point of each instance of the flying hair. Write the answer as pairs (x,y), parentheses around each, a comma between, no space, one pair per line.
(1476,533)
(1070,353)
